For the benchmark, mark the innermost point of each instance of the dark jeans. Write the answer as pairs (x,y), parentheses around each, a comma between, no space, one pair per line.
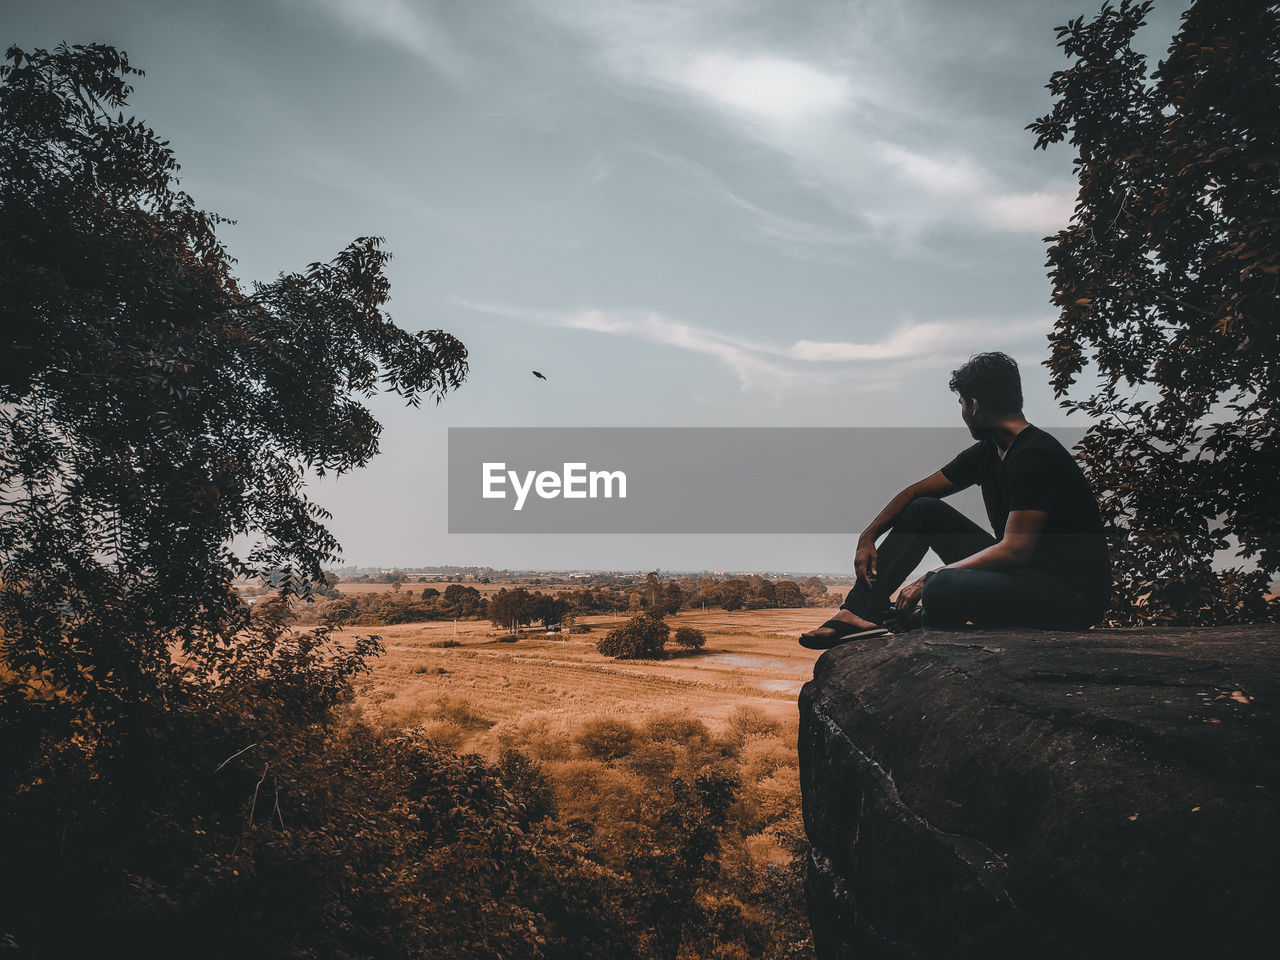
(951,598)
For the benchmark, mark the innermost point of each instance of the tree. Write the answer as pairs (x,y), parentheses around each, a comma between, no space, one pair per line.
(643,637)
(768,592)
(548,609)
(151,409)
(1166,280)
(815,590)
(463,601)
(653,589)
(690,638)
(787,593)
(508,608)
(672,598)
(734,593)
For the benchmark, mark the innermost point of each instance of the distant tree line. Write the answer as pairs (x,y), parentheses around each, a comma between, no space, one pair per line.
(521,607)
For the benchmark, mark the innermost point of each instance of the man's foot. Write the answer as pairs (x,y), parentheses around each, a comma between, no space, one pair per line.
(898,622)
(844,626)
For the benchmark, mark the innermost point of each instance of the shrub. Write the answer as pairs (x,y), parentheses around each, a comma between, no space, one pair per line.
(749,722)
(643,637)
(680,727)
(325,839)
(459,710)
(524,777)
(606,738)
(690,638)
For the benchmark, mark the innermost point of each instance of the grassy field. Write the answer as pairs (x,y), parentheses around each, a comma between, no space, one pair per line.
(471,687)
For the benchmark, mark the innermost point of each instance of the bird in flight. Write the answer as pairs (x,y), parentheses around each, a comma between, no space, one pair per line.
(538,375)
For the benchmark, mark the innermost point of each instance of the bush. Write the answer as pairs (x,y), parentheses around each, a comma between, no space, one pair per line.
(606,738)
(746,723)
(690,638)
(643,637)
(324,839)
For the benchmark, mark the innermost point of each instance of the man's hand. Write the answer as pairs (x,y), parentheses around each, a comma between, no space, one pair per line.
(864,561)
(909,596)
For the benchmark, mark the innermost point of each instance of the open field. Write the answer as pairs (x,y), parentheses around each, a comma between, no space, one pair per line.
(485,686)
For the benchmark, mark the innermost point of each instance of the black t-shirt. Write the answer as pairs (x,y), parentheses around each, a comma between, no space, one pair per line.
(1039,473)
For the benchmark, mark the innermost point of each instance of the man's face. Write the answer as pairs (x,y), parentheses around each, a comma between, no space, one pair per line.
(969,413)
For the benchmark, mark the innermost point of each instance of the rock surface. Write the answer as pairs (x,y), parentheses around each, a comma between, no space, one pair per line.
(1040,794)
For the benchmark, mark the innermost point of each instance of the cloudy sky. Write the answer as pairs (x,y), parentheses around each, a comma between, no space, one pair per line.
(713,213)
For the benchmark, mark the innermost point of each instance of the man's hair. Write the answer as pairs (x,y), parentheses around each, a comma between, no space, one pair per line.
(992,379)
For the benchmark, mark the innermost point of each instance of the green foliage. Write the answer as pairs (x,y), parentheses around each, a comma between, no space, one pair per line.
(152,411)
(606,738)
(686,847)
(787,593)
(672,597)
(1166,280)
(389,607)
(513,607)
(643,637)
(211,830)
(462,601)
(734,594)
(690,638)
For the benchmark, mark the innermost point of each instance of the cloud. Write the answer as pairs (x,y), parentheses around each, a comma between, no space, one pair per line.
(805,239)
(753,364)
(400,24)
(918,340)
(768,87)
(940,175)
(855,120)
(1041,211)
(967,192)
(783,368)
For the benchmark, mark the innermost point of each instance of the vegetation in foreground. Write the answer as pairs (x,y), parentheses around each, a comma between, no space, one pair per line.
(257,828)
(183,775)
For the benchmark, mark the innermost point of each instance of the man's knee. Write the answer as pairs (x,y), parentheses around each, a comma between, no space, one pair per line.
(943,598)
(919,511)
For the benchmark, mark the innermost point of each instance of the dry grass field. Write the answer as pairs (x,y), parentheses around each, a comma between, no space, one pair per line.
(469,684)
(472,687)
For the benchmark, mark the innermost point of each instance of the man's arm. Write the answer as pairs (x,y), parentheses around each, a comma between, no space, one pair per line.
(1021,532)
(935,485)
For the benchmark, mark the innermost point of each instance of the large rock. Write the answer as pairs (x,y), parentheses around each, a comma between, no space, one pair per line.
(1025,793)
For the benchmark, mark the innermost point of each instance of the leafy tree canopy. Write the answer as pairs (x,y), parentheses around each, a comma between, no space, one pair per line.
(152,410)
(643,637)
(691,638)
(1166,279)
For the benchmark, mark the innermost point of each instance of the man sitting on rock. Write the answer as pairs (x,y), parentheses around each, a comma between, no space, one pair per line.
(1046,566)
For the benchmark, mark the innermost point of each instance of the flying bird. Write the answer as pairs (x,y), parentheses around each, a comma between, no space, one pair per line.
(538,375)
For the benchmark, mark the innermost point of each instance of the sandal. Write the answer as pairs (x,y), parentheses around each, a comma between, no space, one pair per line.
(844,632)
